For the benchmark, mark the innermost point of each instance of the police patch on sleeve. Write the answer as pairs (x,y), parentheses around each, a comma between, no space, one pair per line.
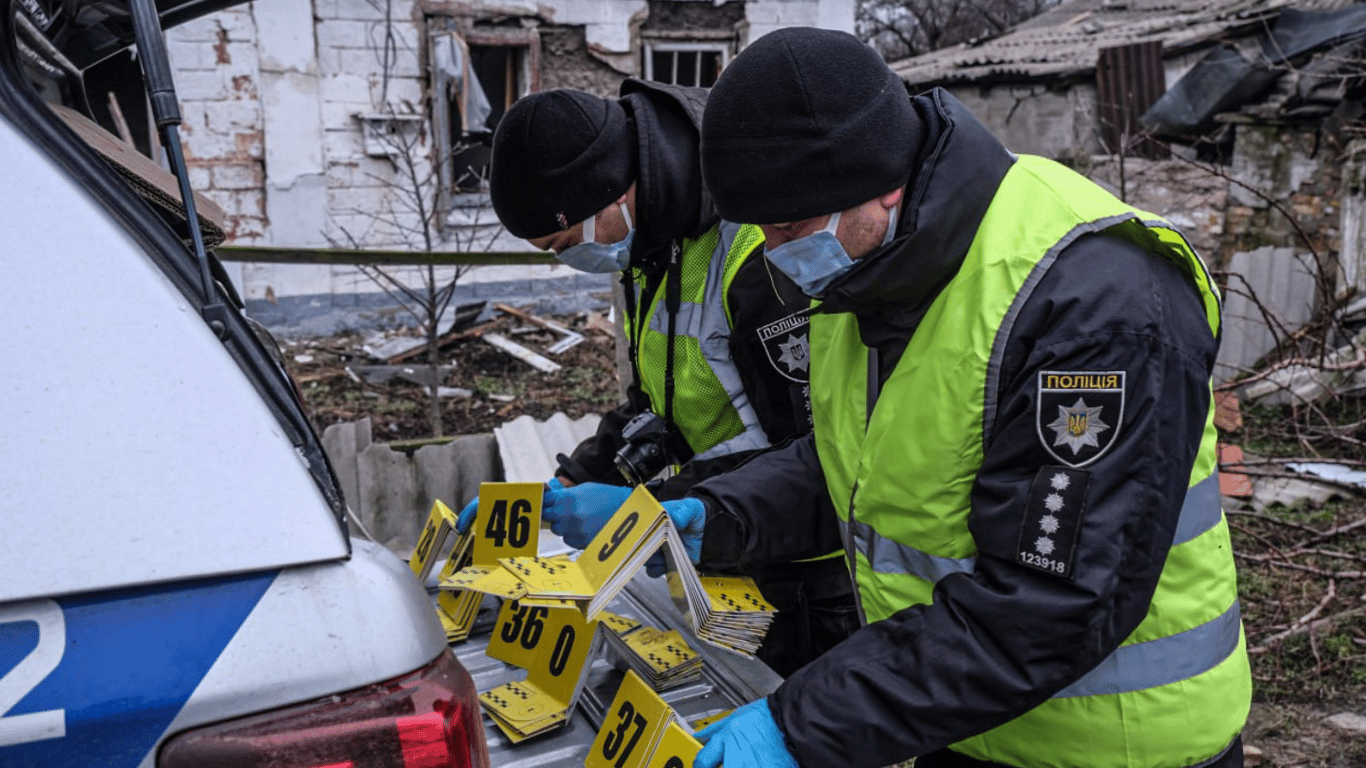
(1048,534)
(787,344)
(1079,413)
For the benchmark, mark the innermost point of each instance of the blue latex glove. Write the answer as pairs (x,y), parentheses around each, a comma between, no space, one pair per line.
(689,515)
(748,738)
(466,516)
(577,514)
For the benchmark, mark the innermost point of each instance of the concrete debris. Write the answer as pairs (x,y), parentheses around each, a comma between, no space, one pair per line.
(1342,371)
(415,374)
(1287,484)
(1286,491)
(1337,473)
(386,348)
(1348,721)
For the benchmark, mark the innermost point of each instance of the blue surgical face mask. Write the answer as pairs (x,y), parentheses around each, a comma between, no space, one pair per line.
(592,256)
(815,260)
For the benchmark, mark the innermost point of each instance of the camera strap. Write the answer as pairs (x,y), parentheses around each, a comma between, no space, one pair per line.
(673,292)
(673,300)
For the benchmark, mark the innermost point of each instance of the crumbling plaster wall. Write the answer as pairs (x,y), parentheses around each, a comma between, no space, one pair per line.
(272,92)
(1185,194)
(1036,119)
(567,63)
(217,76)
(1287,181)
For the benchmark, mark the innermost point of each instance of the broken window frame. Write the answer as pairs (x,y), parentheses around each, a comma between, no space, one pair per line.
(524,79)
(721,42)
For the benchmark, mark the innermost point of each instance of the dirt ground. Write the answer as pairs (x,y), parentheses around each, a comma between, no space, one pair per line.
(500,386)
(1302,568)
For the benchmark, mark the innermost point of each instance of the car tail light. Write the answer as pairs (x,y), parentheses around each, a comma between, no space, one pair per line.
(425,719)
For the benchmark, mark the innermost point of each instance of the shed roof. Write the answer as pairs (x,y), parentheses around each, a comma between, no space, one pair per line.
(1064,41)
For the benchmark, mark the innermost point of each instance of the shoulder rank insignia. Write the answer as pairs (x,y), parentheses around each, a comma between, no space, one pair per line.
(1079,413)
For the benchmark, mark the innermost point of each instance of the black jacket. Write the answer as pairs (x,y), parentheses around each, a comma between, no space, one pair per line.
(1002,639)
(673,204)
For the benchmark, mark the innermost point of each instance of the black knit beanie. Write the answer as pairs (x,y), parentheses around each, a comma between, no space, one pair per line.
(559,157)
(805,122)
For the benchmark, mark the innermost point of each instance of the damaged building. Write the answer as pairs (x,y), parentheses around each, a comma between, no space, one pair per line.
(328,127)
(1239,120)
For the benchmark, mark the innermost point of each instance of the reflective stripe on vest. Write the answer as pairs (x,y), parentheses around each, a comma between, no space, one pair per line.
(1200,511)
(703,320)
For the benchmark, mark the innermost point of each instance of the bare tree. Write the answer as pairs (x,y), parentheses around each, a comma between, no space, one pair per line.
(408,215)
(903,28)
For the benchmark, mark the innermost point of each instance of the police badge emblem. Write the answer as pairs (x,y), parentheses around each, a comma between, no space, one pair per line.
(787,343)
(1079,413)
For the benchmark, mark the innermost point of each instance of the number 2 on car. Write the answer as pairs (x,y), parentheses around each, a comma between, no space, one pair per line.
(630,728)
(509,521)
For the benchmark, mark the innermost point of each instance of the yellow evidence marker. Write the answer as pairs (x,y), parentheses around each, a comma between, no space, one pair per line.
(631,535)
(440,523)
(521,628)
(508,523)
(555,678)
(631,727)
(676,749)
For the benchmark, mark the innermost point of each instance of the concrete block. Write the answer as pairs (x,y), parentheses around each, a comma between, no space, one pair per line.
(342,145)
(345,33)
(202,30)
(298,213)
(239,23)
(404,64)
(212,84)
(359,173)
(259,280)
(231,116)
(348,87)
(189,54)
(238,176)
(250,202)
(360,10)
(201,178)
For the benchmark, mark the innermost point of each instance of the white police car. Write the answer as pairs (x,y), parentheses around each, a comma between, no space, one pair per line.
(177,583)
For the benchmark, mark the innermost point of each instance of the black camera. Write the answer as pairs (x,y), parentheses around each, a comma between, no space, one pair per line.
(651,445)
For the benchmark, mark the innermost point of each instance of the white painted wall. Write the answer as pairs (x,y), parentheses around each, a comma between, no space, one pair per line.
(272,92)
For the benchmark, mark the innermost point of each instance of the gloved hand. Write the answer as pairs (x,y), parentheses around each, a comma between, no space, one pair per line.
(748,738)
(577,514)
(689,515)
(466,516)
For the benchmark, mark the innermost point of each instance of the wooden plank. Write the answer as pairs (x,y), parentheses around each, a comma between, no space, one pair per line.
(521,353)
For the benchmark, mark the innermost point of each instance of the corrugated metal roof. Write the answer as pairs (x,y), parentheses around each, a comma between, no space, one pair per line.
(1064,41)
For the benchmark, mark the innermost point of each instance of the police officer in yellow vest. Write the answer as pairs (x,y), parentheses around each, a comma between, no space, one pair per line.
(1013,425)
(717,339)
